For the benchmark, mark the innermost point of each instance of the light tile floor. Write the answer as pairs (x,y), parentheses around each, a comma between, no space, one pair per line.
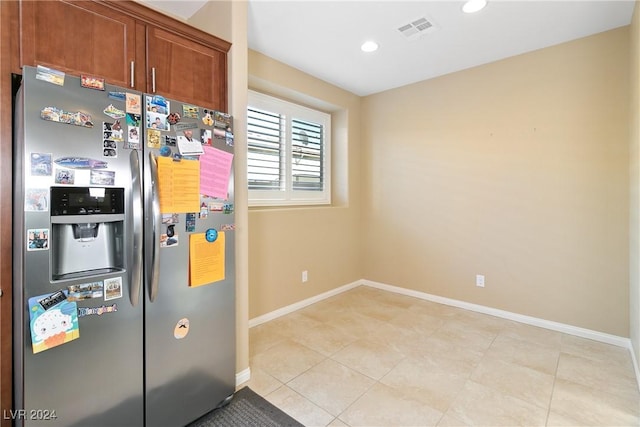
(368,357)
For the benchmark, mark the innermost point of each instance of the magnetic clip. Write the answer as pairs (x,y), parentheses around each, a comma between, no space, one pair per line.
(211,235)
(165,151)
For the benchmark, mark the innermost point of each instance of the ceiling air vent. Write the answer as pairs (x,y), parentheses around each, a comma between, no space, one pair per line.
(416,28)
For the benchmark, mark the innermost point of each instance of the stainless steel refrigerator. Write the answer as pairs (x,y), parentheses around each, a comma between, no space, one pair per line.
(124,278)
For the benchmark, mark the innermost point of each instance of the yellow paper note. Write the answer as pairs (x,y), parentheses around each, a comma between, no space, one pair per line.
(178,185)
(206,259)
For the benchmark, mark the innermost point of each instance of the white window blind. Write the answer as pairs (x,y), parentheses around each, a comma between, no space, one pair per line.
(288,159)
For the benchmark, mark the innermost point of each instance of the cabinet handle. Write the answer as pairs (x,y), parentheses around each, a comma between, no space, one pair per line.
(153,79)
(132,74)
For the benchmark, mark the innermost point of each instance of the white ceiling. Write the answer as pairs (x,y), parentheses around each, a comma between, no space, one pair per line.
(323,38)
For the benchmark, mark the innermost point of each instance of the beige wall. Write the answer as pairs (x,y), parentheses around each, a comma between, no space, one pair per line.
(517,170)
(228,20)
(325,241)
(634,164)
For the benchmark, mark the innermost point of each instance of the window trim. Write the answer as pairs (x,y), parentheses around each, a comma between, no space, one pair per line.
(288,196)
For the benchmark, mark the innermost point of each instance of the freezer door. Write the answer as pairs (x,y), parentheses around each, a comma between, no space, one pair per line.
(92,373)
(189,329)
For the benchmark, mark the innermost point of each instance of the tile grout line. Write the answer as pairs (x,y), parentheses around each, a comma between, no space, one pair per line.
(375,381)
(553,387)
(484,355)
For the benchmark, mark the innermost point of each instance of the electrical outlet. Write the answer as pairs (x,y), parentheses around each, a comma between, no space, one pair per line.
(480,280)
(305,276)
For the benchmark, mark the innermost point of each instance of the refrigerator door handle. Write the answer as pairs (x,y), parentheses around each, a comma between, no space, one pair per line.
(155,235)
(135,278)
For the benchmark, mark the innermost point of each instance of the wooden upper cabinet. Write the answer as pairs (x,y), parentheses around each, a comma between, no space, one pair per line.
(103,39)
(79,37)
(186,70)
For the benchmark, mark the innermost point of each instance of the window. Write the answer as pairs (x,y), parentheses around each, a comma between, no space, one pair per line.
(288,159)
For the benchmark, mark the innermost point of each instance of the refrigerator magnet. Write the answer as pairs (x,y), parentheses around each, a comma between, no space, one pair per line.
(51,114)
(216,206)
(80,163)
(40,164)
(157,121)
(112,131)
(65,176)
(76,118)
(38,239)
(133,120)
(113,112)
(91,82)
(133,130)
(211,235)
(207,119)
(190,223)
(222,120)
(50,75)
(205,136)
(109,149)
(85,291)
(102,177)
(112,288)
(171,218)
(109,146)
(97,311)
(36,200)
(173,118)
(219,133)
(204,211)
(132,103)
(118,96)
(165,151)
(182,329)
(184,126)
(52,326)
(170,140)
(157,104)
(166,241)
(133,140)
(228,136)
(190,111)
(52,300)
(153,138)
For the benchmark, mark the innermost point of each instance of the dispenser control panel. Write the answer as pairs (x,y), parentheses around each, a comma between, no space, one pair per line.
(86,201)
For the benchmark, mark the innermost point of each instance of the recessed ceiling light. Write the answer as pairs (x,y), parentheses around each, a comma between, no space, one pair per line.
(472,6)
(369,46)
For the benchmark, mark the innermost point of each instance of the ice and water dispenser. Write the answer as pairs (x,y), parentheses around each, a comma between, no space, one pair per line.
(87,231)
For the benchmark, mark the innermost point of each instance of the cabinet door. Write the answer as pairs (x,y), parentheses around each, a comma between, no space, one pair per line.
(186,70)
(78,37)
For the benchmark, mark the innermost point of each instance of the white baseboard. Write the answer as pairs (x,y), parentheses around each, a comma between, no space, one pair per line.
(635,364)
(301,304)
(534,321)
(243,376)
